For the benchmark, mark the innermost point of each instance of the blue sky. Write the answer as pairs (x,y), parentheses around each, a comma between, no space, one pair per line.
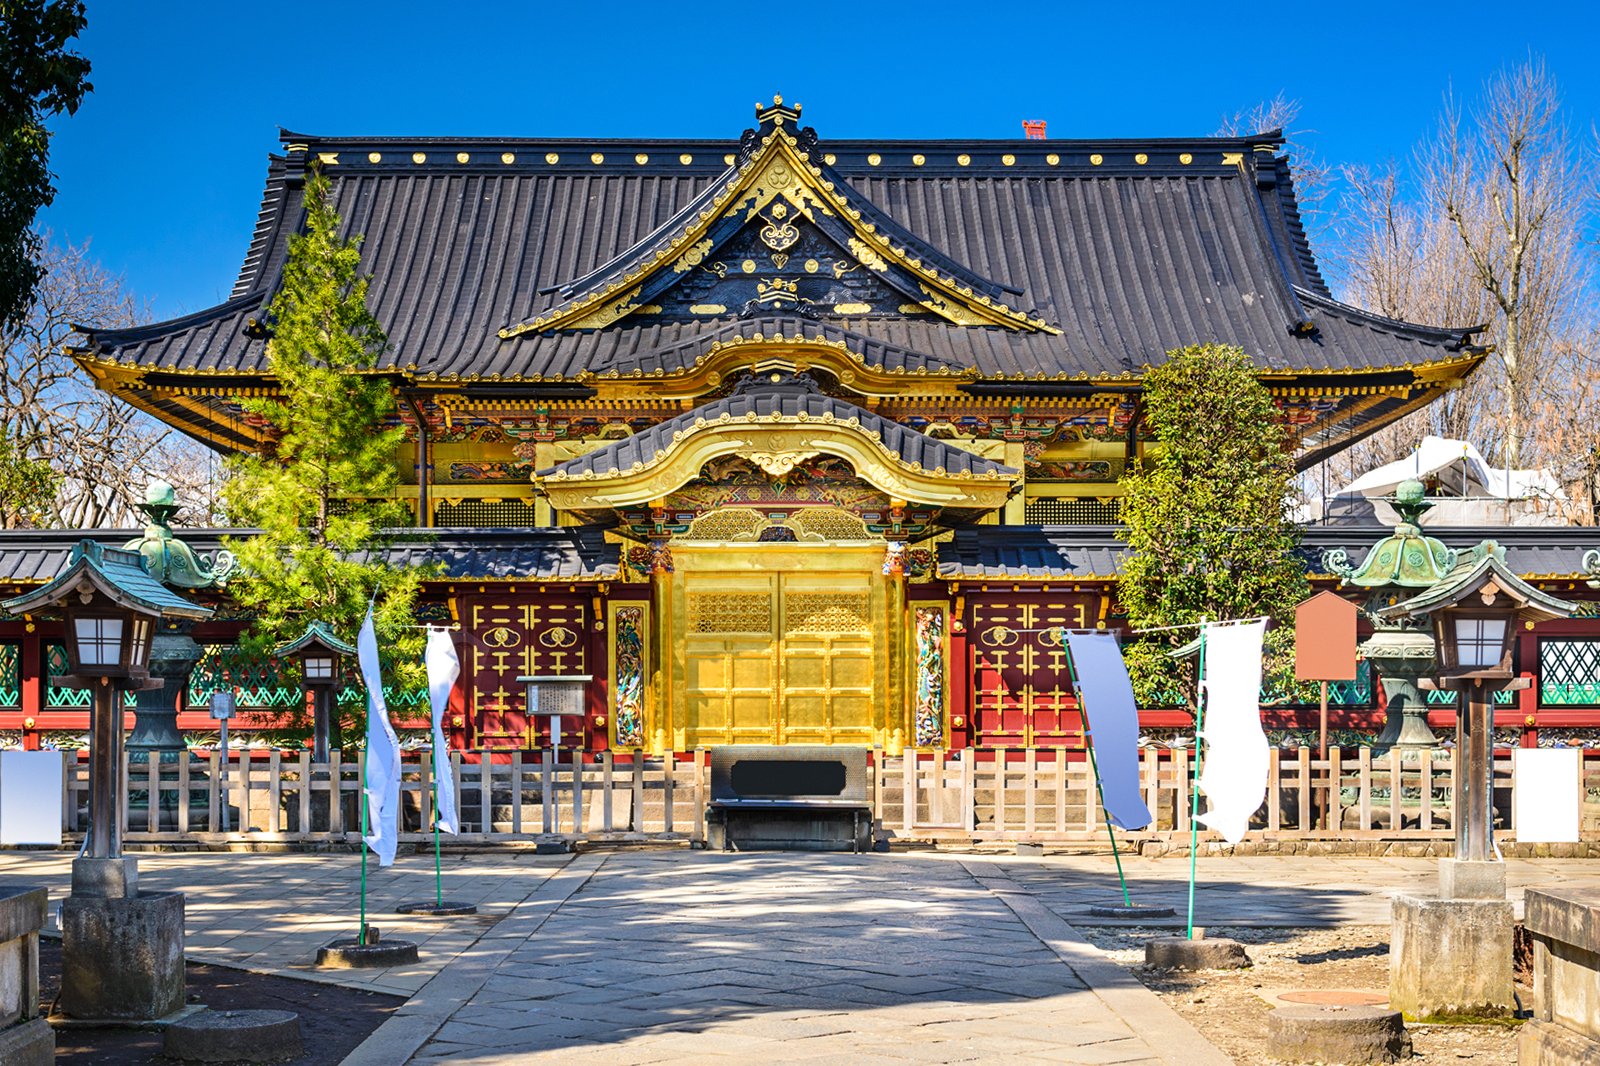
(162,166)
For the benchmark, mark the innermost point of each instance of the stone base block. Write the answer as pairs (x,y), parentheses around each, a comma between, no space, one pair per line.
(1549,1044)
(1470,879)
(122,959)
(1181,953)
(33,1043)
(431,909)
(235,1036)
(1337,1034)
(351,954)
(1133,911)
(1450,958)
(111,878)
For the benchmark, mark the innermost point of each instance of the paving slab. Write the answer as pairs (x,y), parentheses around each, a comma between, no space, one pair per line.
(656,956)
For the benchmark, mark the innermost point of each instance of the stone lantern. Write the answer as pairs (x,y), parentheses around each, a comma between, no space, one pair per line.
(1451,954)
(173,653)
(122,949)
(1399,649)
(319,653)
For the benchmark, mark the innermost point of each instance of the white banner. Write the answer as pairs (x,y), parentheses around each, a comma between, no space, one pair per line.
(1112,716)
(1548,799)
(1234,772)
(382,779)
(443,669)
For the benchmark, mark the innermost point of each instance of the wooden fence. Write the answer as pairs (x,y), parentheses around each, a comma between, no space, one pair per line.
(1019,794)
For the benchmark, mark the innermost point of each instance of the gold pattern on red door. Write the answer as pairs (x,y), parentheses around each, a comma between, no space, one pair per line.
(511,636)
(1021,685)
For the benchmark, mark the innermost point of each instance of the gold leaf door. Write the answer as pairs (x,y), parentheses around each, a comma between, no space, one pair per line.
(780,647)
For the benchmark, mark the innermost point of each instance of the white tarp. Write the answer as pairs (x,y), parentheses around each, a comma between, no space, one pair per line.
(444,666)
(382,782)
(1113,719)
(1233,775)
(30,797)
(1548,799)
(1461,471)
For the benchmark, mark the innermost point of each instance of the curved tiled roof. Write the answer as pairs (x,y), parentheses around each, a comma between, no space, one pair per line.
(1129,249)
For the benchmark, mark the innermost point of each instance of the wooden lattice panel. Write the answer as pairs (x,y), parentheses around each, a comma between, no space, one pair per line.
(826,612)
(730,612)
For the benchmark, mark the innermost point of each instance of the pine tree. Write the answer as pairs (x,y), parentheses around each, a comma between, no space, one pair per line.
(323,489)
(1208,520)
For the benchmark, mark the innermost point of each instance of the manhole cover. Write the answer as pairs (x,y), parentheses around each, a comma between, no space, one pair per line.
(1335,999)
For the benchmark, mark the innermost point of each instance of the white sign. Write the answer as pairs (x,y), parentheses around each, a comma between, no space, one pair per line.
(30,797)
(222,706)
(1548,797)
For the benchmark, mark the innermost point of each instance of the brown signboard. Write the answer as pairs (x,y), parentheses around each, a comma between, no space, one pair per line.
(1325,638)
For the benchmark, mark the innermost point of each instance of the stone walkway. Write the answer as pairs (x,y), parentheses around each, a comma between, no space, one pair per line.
(675,956)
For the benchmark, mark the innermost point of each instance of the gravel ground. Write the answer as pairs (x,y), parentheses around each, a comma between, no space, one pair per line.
(1227,1006)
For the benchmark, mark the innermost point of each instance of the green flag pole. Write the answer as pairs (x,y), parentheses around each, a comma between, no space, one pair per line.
(438,875)
(1194,786)
(362,938)
(1094,767)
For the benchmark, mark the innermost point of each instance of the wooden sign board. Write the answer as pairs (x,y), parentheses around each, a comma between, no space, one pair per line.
(1325,638)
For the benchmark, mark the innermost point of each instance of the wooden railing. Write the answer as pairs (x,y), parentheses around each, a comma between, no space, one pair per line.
(1018,794)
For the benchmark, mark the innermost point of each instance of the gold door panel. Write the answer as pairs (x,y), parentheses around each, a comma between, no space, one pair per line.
(784,655)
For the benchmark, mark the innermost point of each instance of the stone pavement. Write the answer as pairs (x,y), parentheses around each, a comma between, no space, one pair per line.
(657,956)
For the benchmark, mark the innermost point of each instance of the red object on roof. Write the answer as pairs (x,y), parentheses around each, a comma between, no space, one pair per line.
(1033,129)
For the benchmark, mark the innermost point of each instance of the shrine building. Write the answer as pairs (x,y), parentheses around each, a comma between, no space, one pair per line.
(778,439)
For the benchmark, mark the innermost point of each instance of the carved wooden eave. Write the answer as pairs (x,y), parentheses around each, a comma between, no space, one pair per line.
(796,354)
(775,444)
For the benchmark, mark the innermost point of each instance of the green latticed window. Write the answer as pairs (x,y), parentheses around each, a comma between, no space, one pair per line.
(1356,693)
(255,684)
(258,686)
(1447,698)
(57,698)
(10,676)
(1569,673)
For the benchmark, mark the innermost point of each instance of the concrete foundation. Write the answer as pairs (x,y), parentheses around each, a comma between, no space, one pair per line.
(1337,1034)
(235,1036)
(1181,953)
(1469,879)
(1564,925)
(25,1038)
(122,959)
(1450,958)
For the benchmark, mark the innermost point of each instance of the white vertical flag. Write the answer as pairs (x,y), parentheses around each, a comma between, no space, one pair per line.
(382,783)
(1234,774)
(443,669)
(1113,718)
